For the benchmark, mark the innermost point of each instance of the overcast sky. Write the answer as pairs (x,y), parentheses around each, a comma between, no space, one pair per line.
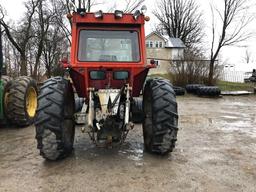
(231,55)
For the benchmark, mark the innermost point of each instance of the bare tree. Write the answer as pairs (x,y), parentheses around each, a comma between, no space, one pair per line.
(90,4)
(180,19)
(132,5)
(234,20)
(42,24)
(31,40)
(55,47)
(20,38)
(247,58)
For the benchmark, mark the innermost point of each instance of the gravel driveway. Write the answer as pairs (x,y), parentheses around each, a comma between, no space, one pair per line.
(216,151)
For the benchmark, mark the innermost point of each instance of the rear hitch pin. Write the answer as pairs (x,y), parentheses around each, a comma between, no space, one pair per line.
(98,126)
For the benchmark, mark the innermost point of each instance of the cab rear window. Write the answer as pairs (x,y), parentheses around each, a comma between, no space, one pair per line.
(108,46)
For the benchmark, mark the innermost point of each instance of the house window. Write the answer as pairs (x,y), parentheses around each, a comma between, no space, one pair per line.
(151,44)
(147,44)
(157,63)
(160,44)
(157,44)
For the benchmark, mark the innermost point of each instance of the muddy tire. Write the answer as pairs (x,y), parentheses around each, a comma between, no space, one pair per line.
(6,95)
(55,127)
(179,90)
(209,91)
(22,101)
(192,88)
(6,83)
(5,79)
(137,110)
(160,126)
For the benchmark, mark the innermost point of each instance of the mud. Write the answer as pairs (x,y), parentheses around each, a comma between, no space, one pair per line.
(216,151)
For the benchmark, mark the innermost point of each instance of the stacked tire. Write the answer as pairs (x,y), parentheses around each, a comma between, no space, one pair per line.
(211,91)
(192,88)
(202,90)
(179,90)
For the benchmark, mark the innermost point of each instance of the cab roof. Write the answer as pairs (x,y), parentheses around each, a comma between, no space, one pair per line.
(108,18)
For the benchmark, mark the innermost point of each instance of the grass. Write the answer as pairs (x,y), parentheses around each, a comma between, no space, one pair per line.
(223,85)
(231,86)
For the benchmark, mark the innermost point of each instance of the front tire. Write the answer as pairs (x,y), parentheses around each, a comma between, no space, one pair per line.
(55,127)
(161,117)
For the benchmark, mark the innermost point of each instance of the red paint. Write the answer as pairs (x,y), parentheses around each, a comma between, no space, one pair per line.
(79,71)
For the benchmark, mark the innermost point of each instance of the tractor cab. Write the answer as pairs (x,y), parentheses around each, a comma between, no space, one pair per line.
(108,51)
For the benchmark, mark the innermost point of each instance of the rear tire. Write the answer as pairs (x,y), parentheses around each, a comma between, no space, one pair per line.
(137,110)
(22,101)
(161,116)
(55,127)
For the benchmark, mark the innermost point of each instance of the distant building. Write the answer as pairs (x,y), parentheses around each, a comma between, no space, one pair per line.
(163,49)
(238,72)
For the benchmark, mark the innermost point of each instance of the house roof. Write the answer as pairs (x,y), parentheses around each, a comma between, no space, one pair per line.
(174,43)
(170,42)
(157,34)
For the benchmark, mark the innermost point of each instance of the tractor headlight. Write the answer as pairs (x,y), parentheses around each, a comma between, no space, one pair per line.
(144,9)
(118,14)
(98,14)
(136,15)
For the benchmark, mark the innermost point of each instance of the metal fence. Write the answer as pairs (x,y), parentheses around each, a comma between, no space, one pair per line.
(235,76)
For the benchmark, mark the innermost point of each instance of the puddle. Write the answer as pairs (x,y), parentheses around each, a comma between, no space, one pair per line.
(133,151)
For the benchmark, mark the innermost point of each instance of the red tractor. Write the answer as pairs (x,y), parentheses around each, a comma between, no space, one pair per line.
(108,68)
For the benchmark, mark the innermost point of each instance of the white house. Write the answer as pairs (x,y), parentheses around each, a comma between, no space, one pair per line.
(163,50)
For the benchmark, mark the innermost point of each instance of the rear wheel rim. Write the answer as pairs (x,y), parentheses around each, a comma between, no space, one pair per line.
(31,102)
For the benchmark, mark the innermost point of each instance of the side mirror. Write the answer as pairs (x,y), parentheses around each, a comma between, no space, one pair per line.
(136,15)
(152,62)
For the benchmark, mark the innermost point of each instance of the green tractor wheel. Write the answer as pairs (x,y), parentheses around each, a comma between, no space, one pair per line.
(6,82)
(20,101)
